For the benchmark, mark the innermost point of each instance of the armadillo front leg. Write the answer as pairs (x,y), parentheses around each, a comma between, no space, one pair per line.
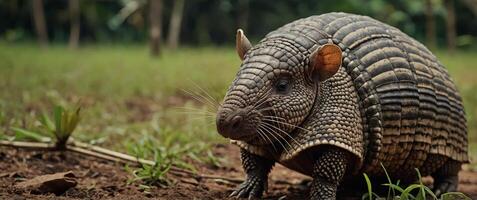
(257,169)
(328,171)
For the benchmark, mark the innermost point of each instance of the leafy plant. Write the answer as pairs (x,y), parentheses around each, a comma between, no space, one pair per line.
(167,149)
(423,192)
(22,135)
(165,155)
(63,124)
(152,174)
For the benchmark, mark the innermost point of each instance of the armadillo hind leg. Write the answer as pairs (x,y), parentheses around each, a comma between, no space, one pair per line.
(257,169)
(328,171)
(446,178)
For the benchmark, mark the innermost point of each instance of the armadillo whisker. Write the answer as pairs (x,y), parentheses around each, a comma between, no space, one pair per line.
(285,123)
(202,99)
(263,135)
(213,106)
(287,134)
(262,99)
(272,133)
(210,98)
(265,109)
(274,117)
(201,116)
(196,110)
(276,128)
(280,129)
(267,130)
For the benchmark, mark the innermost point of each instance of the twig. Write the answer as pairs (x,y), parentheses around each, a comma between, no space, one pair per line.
(113,156)
(189,182)
(234,180)
(92,153)
(116,156)
(29,145)
(82,148)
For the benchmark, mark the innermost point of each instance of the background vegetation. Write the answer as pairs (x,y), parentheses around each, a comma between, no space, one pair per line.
(213,22)
(98,53)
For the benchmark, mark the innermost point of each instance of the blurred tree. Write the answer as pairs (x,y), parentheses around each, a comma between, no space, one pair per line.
(450,25)
(128,9)
(430,24)
(472,4)
(213,22)
(155,29)
(39,21)
(242,17)
(74,10)
(175,24)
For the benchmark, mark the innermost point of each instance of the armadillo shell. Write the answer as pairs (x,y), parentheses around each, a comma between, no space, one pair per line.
(410,108)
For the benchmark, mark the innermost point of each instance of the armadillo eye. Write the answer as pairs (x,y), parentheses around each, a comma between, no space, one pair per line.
(282,85)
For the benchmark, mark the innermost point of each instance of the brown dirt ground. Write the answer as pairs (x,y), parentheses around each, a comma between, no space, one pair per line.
(99,179)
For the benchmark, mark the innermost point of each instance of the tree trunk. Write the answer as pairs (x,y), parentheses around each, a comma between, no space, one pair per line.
(175,24)
(155,20)
(242,17)
(472,5)
(74,9)
(39,21)
(202,30)
(430,25)
(450,25)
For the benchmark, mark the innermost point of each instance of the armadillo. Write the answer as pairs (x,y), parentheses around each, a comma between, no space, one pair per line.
(337,95)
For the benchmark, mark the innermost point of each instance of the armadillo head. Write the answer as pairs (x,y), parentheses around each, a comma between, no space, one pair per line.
(274,90)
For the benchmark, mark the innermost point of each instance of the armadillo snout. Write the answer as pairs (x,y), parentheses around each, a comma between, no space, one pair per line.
(234,124)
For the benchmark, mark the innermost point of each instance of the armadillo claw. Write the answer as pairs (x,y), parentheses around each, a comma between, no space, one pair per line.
(252,188)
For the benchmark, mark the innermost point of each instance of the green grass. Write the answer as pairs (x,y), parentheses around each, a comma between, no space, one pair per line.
(123,91)
(416,191)
(126,95)
(130,102)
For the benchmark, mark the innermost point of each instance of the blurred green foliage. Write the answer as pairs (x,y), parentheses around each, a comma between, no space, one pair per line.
(215,21)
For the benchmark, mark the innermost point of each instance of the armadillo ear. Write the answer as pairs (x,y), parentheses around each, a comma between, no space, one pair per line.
(325,62)
(242,45)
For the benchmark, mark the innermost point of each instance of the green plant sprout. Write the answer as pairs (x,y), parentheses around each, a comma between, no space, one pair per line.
(396,192)
(60,129)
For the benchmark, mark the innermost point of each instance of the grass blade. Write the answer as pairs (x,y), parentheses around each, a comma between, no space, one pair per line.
(390,189)
(64,124)
(370,189)
(72,121)
(399,189)
(47,123)
(22,134)
(430,192)
(406,193)
(58,112)
(454,196)
(422,192)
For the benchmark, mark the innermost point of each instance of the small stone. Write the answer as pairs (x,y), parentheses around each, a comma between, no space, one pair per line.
(51,183)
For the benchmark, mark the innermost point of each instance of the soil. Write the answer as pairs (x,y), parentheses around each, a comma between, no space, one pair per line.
(99,179)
